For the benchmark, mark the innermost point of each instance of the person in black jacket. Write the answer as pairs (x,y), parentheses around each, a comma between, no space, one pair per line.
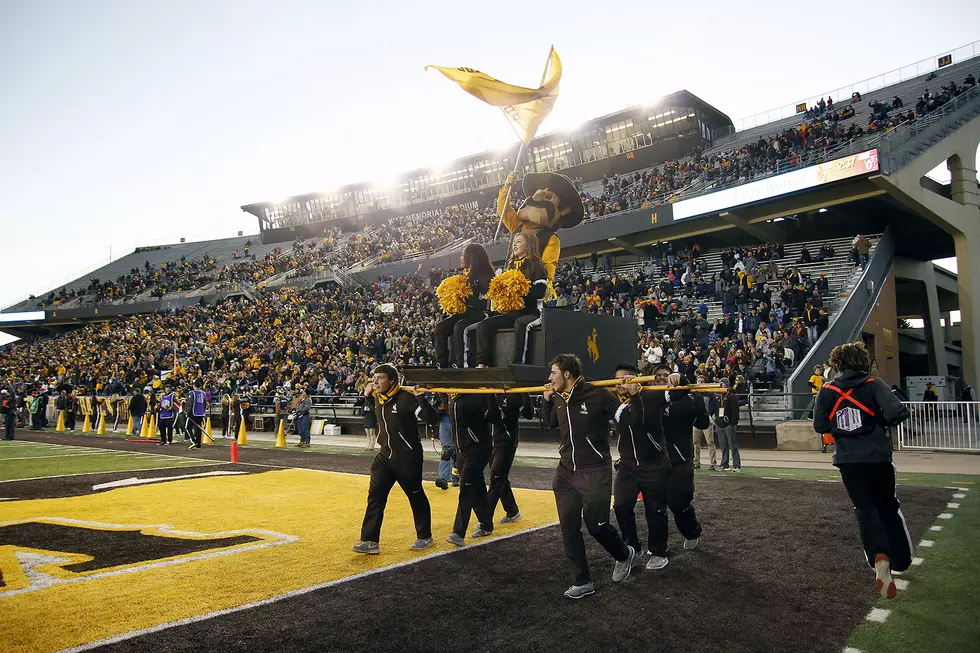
(726,423)
(524,257)
(399,461)
(643,466)
(583,479)
(452,333)
(856,408)
(680,415)
(473,445)
(8,407)
(504,415)
(137,409)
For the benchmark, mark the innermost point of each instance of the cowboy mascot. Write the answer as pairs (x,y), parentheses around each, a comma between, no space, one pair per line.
(552,203)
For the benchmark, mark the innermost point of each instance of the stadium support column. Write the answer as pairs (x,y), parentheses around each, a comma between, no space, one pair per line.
(963,186)
(967,280)
(935,340)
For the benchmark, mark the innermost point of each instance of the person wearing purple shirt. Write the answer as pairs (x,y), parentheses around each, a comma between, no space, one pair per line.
(168,415)
(199,405)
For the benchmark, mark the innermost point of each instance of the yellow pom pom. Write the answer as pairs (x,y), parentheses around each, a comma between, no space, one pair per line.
(507,291)
(453,293)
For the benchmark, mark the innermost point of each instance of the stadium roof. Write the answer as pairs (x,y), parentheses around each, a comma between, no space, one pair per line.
(715,119)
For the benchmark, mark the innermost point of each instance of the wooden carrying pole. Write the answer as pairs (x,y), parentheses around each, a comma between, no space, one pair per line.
(538,389)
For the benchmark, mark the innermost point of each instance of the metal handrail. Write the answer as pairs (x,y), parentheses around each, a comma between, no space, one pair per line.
(892,160)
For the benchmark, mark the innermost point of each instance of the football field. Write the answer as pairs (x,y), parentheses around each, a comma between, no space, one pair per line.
(111,545)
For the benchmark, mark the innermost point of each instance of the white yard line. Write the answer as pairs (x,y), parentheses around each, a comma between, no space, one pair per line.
(156,479)
(878,615)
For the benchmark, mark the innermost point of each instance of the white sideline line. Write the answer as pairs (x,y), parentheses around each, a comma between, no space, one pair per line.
(952,505)
(305,590)
(959,496)
(771,478)
(916,562)
(110,471)
(827,480)
(927,544)
(946,515)
(851,649)
(878,615)
(901,584)
(935,529)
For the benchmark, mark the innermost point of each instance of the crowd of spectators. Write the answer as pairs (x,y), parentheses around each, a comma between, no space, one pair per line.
(769,308)
(328,338)
(325,338)
(823,126)
(405,237)
(181,275)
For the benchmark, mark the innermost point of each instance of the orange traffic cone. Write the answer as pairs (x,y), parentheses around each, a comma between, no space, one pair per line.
(87,425)
(281,435)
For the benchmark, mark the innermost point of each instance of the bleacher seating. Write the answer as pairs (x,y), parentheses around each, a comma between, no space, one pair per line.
(839,271)
(908,90)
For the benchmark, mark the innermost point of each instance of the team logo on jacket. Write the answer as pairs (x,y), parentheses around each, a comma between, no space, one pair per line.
(585,409)
(849,419)
(394,409)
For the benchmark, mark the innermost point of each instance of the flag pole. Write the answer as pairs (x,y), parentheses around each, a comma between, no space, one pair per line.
(520,150)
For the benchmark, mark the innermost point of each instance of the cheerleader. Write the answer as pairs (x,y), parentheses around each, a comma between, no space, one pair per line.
(452,333)
(525,315)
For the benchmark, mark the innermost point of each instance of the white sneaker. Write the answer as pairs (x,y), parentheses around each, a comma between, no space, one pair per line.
(690,545)
(657,562)
(622,569)
(579,591)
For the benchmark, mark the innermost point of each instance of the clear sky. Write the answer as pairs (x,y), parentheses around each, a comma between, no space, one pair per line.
(129,122)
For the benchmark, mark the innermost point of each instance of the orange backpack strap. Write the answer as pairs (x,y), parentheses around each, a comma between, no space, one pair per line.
(847,395)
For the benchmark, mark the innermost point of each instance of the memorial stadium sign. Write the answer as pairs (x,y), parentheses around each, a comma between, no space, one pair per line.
(790,182)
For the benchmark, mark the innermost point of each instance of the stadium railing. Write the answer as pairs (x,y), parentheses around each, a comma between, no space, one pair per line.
(846,323)
(898,146)
(941,425)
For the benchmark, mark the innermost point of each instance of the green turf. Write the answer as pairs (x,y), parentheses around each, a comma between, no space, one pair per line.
(20,462)
(937,613)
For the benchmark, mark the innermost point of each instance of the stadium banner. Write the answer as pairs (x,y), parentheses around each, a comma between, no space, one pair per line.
(846,167)
(24,316)
(388,307)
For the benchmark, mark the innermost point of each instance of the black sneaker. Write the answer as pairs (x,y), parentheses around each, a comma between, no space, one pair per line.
(442,484)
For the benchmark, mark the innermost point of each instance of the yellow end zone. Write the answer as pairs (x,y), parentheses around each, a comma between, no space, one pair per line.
(301,523)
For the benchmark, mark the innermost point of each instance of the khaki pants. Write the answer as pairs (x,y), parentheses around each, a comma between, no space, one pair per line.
(709,437)
(372,437)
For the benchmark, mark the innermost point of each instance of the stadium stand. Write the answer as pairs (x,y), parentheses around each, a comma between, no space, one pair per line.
(329,337)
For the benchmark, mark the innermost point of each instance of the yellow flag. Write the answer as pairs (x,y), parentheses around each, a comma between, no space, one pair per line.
(525,108)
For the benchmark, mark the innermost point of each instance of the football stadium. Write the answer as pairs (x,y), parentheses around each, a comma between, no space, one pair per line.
(664,381)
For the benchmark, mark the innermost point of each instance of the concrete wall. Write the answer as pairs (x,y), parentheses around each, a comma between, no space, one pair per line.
(882,325)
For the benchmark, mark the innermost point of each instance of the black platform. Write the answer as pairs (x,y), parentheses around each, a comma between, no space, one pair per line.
(600,341)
